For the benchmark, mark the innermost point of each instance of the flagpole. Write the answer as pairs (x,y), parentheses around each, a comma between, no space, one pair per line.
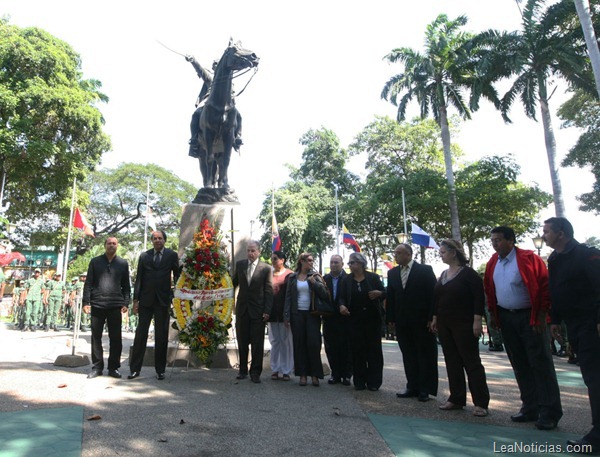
(70,233)
(273,213)
(337,222)
(147,208)
(404,213)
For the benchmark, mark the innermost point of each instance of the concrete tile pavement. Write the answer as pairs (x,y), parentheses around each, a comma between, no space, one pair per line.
(207,412)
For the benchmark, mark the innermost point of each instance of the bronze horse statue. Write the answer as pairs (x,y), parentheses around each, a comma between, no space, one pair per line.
(219,118)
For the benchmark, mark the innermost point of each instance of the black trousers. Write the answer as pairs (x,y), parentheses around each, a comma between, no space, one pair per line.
(367,354)
(461,353)
(531,359)
(250,332)
(306,333)
(419,356)
(112,318)
(583,336)
(336,335)
(161,317)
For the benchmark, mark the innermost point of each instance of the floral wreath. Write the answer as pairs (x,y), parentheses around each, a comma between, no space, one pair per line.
(204,294)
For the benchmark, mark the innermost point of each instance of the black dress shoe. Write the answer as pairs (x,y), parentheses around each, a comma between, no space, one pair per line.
(241,376)
(545,423)
(360,387)
(523,417)
(583,446)
(333,380)
(496,348)
(407,394)
(160,376)
(346,381)
(255,378)
(94,373)
(423,396)
(114,374)
(133,375)
(373,389)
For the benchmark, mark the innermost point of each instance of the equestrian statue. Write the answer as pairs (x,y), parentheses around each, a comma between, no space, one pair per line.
(216,125)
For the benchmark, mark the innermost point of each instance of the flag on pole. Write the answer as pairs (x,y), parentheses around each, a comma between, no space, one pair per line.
(276,244)
(422,238)
(349,239)
(80,222)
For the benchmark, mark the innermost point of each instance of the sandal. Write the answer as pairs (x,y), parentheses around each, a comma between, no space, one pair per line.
(478,411)
(275,376)
(448,406)
(286,377)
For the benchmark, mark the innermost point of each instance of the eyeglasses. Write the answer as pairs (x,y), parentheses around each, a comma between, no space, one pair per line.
(352,262)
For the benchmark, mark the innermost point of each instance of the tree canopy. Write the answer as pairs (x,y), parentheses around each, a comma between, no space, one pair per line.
(50,126)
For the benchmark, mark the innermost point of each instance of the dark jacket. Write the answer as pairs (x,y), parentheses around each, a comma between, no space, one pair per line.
(153,284)
(255,298)
(375,306)
(574,282)
(291,294)
(413,304)
(329,281)
(107,284)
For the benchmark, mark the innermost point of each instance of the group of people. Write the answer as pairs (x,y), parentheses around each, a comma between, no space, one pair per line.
(40,303)
(527,303)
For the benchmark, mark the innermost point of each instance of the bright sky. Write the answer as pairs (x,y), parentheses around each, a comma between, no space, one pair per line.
(321,65)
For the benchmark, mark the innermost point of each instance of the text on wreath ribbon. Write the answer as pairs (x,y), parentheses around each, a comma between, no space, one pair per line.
(204,295)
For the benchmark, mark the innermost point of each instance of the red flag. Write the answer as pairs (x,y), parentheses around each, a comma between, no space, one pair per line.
(80,222)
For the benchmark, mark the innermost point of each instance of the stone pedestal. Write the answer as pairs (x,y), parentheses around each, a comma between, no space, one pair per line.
(221,215)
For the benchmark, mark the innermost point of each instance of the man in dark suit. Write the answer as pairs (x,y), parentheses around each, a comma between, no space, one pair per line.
(152,296)
(409,308)
(336,328)
(254,301)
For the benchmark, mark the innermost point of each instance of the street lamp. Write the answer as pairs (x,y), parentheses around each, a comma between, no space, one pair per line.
(538,242)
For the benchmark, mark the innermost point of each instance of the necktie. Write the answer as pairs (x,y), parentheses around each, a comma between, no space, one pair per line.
(404,275)
(156,259)
(250,272)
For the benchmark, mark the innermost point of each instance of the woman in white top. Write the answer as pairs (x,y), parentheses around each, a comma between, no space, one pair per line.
(306,328)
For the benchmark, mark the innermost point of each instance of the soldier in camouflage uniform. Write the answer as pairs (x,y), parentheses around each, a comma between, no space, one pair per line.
(32,295)
(17,309)
(70,304)
(85,318)
(54,297)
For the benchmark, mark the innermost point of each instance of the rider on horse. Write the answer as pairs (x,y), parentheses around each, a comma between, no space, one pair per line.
(207,78)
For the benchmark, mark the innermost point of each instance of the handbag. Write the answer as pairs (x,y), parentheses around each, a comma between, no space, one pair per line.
(319,306)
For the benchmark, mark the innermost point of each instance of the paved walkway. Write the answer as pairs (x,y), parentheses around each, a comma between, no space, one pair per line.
(45,410)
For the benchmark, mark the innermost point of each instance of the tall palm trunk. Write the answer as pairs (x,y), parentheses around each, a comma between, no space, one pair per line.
(585,18)
(449,173)
(559,205)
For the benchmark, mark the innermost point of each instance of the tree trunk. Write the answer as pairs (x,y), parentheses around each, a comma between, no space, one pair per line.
(559,205)
(585,18)
(449,174)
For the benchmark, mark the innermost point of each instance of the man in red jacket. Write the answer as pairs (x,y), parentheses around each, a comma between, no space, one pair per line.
(516,287)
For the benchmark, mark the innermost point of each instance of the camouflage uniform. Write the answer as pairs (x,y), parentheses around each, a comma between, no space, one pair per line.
(54,300)
(33,301)
(70,305)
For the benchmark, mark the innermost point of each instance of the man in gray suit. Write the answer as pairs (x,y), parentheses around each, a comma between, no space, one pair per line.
(152,296)
(254,301)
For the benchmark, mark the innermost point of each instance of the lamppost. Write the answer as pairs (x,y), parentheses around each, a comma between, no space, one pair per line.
(538,242)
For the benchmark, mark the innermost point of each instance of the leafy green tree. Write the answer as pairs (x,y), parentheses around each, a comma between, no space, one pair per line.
(583,111)
(439,78)
(549,45)
(50,127)
(118,201)
(491,195)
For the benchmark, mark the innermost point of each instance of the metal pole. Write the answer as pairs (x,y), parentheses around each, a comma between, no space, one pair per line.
(70,232)
(337,222)
(147,209)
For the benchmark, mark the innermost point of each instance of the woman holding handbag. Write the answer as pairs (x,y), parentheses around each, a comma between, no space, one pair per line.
(303,285)
(360,298)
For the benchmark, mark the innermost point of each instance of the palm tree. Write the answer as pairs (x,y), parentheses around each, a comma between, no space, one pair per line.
(548,45)
(439,79)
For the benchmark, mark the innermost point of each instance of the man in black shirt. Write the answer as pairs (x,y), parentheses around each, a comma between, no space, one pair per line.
(106,294)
